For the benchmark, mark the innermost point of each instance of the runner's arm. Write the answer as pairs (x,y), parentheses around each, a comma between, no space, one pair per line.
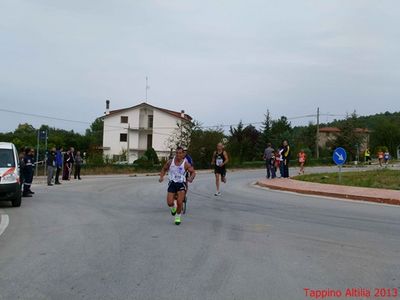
(191,171)
(226,159)
(213,158)
(164,170)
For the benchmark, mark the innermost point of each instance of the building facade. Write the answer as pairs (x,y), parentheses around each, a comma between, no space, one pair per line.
(327,135)
(129,132)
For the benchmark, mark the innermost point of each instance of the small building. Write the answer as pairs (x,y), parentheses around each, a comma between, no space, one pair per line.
(129,132)
(327,135)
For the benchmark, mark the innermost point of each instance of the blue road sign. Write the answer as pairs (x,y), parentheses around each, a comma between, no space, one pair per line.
(339,156)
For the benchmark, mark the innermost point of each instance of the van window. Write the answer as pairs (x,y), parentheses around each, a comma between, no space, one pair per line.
(6,158)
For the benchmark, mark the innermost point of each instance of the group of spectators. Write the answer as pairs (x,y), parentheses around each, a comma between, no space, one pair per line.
(66,164)
(58,163)
(277,159)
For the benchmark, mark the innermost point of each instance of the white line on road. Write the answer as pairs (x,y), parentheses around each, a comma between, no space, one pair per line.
(4,223)
(255,185)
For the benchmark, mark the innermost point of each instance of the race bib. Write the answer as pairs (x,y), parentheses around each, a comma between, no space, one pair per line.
(219,162)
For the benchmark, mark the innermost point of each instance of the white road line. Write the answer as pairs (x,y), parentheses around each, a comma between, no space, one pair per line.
(324,197)
(4,223)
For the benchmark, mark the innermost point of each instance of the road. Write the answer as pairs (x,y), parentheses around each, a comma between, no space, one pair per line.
(113,238)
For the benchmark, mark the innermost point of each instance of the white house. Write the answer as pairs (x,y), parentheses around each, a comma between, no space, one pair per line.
(131,131)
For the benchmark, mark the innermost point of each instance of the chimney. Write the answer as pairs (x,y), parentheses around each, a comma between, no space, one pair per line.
(107,107)
(182,114)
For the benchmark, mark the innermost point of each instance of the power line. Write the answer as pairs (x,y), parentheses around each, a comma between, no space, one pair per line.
(157,128)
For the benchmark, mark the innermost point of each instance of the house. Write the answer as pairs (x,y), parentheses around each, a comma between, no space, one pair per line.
(327,135)
(129,132)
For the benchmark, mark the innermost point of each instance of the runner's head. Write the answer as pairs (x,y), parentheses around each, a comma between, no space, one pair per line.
(220,147)
(180,153)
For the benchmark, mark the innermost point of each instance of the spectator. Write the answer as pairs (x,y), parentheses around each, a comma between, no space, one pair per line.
(78,164)
(302,156)
(269,158)
(72,161)
(51,164)
(27,172)
(278,162)
(21,156)
(286,158)
(59,163)
(67,165)
(281,169)
(367,155)
(386,157)
(380,157)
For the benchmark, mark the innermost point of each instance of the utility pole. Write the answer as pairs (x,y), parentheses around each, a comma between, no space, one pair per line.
(317,136)
(127,140)
(37,153)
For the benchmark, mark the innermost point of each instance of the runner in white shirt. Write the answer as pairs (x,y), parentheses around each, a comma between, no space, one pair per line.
(177,169)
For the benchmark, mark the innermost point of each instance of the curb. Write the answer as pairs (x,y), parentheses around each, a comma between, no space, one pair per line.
(332,194)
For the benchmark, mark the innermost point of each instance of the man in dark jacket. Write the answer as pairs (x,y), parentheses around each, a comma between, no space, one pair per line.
(51,164)
(59,163)
(27,171)
(286,158)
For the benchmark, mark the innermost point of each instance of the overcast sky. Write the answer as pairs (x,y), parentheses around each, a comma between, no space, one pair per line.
(220,61)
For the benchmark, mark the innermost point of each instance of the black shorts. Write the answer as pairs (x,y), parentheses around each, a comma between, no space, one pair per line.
(175,187)
(220,170)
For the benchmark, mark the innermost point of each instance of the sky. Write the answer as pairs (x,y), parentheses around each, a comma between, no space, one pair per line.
(220,61)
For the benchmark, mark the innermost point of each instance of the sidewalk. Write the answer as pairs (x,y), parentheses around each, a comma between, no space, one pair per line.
(331,190)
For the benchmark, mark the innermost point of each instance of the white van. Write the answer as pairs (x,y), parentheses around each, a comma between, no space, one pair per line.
(10,185)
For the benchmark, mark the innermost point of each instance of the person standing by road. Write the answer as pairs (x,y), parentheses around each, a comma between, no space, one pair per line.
(367,155)
(67,165)
(302,156)
(71,162)
(51,165)
(219,160)
(59,163)
(269,157)
(78,164)
(286,158)
(27,172)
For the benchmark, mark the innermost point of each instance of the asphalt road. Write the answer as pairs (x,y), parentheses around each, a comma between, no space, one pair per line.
(114,238)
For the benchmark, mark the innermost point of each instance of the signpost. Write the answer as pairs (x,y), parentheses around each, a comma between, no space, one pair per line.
(339,158)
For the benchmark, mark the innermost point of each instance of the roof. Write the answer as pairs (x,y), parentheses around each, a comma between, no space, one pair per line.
(4,145)
(175,114)
(337,130)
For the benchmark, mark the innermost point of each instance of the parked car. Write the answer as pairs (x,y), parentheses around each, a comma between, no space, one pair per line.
(10,186)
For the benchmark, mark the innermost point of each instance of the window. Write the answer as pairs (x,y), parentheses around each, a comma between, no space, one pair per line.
(149,141)
(124,119)
(150,121)
(123,137)
(6,158)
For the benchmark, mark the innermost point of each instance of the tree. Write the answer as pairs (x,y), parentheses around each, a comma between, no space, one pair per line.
(349,137)
(266,129)
(182,134)
(386,133)
(243,143)
(95,132)
(281,129)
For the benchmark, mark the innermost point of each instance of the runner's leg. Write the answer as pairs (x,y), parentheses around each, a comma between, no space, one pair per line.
(217,181)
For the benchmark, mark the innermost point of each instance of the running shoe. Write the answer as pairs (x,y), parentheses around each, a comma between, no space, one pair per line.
(217,194)
(173,211)
(177,220)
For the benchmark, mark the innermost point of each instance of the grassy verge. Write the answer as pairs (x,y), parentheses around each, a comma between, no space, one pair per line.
(383,178)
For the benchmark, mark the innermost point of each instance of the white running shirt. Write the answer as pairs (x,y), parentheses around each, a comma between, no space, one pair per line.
(177,173)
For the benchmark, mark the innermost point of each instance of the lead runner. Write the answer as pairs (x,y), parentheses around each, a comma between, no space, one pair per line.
(177,168)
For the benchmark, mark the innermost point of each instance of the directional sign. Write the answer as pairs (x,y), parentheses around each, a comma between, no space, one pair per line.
(339,156)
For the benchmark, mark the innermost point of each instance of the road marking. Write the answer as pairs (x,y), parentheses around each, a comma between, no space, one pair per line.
(4,223)
(323,197)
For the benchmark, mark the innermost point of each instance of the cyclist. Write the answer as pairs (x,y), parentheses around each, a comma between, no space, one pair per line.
(177,168)
(219,160)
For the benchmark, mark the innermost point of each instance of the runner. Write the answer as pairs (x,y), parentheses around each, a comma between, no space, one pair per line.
(302,156)
(177,168)
(189,159)
(219,160)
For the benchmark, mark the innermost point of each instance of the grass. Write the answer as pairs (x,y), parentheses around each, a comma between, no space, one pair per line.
(382,178)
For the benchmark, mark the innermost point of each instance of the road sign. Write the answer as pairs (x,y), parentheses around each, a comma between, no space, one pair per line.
(339,156)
